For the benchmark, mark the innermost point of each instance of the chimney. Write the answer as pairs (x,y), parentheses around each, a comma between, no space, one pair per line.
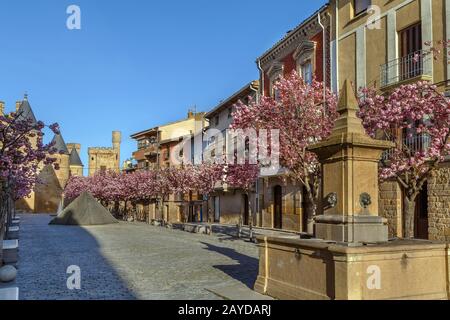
(18,104)
(191,114)
(2,108)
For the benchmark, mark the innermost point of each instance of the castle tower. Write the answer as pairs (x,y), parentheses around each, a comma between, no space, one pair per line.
(116,141)
(62,157)
(75,163)
(104,159)
(47,192)
(76,146)
(26,113)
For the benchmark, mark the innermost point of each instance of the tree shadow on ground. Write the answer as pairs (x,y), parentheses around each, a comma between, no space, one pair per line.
(246,269)
(47,251)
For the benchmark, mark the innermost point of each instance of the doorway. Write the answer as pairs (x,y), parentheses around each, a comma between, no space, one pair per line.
(246,210)
(421,215)
(278,207)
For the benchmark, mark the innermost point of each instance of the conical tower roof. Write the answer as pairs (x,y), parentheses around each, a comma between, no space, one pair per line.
(59,144)
(74,159)
(25,112)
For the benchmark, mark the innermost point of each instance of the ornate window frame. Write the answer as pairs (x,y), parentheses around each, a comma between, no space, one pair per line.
(305,52)
(274,73)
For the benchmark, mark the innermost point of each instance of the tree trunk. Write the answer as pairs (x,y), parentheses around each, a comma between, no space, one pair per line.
(311,211)
(3,213)
(250,217)
(161,211)
(239,226)
(409,211)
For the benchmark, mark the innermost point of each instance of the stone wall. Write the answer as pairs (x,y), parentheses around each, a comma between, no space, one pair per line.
(292,204)
(390,206)
(439,205)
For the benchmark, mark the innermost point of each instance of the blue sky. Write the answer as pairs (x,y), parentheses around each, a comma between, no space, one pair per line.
(134,64)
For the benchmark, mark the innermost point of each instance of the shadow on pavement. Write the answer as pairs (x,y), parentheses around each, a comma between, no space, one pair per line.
(246,271)
(47,251)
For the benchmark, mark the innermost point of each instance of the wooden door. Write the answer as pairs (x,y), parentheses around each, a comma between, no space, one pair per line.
(421,215)
(278,207)
(411,44)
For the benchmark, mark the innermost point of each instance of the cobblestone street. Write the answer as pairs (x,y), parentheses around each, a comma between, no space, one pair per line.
(129,261)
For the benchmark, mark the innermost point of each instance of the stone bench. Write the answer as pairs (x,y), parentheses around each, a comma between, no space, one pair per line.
(10,251)
(197,228)
(13,232)
(9,294)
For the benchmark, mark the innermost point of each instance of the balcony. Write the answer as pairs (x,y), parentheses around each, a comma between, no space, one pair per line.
(411,145)
(414,67)
(145,153)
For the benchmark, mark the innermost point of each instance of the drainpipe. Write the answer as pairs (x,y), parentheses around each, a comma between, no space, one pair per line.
(261,72)
(257,180)
(336,36)
(324,55)
(259,95)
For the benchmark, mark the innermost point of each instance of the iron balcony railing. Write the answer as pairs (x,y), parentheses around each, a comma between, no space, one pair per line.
(416,64)
(416,143)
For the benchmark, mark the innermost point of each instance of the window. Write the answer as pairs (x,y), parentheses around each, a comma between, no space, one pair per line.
(360,6)
(410,51)
(275,92)
(216,120)
(230,112)
(306,69)
(142,144)
(167,154)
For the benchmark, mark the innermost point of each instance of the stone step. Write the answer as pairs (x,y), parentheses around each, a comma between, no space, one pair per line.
(13,232)
(238,292)
(196,228)
(9,294)
(10,251)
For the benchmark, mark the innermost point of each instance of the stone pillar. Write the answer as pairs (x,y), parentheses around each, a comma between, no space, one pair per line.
(349,159)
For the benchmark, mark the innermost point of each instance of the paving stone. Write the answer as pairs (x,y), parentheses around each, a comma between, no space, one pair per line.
(129,261)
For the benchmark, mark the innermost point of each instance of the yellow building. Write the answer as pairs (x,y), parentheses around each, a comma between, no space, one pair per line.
(383,44)
(171,145)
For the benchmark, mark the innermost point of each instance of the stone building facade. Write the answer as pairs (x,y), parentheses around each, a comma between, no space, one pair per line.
(160,147)
(104,159)
(375,48)
(228,204)
(305,50)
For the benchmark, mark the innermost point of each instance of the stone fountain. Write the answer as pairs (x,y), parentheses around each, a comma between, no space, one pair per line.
(351,257)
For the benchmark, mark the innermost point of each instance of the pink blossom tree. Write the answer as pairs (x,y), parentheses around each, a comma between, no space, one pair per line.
(205,177)
(22,153)
(416,118)
(243,176)
(304,114)
(174,181)
(75,187)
